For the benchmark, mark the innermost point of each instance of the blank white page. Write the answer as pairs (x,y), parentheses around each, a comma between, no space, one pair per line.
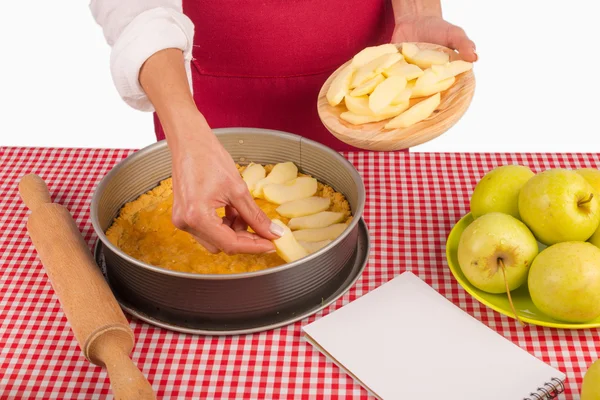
(404,340)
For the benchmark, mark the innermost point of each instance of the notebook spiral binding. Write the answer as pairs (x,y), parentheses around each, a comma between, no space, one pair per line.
(550,390)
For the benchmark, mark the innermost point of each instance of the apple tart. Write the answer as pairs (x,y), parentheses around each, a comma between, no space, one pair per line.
(312,213)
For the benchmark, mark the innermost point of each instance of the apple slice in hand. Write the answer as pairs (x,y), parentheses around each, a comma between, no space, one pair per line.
(340,86)
(368,54)
(304,207)
(319,220)
(416,113)
(252,174)
(286,246)
(313,247)
(368,86)
(319,234)
(281,173)
(386,92)
(299,188)
(373,68)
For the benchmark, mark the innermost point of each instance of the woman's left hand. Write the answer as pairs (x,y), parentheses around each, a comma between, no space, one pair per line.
(435,30)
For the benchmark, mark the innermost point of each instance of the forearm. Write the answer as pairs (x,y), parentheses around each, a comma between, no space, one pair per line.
(163,78)
(406,9)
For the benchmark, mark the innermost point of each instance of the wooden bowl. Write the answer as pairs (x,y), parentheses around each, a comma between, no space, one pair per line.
(454,103)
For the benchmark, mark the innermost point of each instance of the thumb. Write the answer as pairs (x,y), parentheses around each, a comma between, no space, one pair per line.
(459,41)
(255,217)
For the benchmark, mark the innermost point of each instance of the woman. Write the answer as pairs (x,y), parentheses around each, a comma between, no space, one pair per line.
(254,63)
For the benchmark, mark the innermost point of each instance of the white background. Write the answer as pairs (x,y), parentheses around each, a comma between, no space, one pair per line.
(538,78)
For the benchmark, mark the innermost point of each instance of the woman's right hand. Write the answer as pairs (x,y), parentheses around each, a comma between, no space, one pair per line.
(205,178)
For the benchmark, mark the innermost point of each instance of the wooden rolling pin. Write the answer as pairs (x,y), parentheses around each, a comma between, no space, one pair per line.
(96,319)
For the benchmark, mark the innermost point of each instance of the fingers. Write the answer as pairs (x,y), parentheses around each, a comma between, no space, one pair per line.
(209,247)
(231,242)
(254,216)
(234,220)
(459,41)
(215,235)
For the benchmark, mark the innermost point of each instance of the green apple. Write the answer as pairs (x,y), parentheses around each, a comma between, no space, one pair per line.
(498,190)
(564,281)
(592,175)
(492,241)
(495,252)
(559,205)
(595,238)
(590,388)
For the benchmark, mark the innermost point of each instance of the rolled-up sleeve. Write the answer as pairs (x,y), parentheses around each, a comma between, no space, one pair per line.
(135,30)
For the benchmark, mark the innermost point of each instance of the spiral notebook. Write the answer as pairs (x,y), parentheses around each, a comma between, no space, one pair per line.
(404,340)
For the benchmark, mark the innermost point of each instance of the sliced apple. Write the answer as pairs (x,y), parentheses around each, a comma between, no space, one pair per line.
(409,50)
(299,188)
(386,92)
(360,106)
(459,66)
(428,78)
(416,113)
(281,173)
(286,246)
(368,54)
(313,247)
(403,97)
(438,87)
(319,220)
(373,68)
(356,119)
(252,174)
(408,71)
(451,69)
(426,58)
(340,86)
(319,234)
(303,207)
(440,70)
(368,86)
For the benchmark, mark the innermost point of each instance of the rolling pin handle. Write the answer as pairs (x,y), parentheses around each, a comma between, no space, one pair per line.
(128,383)
(34,192)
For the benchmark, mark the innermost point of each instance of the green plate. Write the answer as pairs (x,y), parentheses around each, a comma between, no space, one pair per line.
(527,311)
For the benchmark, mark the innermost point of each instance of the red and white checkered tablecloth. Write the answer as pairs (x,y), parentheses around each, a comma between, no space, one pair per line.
(413,201)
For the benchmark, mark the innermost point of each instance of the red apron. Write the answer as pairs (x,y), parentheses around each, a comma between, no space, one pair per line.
(261,63)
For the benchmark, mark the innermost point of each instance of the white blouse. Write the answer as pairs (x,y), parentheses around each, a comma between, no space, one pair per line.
(136,30)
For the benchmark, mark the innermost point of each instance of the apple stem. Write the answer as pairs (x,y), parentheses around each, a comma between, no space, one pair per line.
(585,201)
(508,292)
